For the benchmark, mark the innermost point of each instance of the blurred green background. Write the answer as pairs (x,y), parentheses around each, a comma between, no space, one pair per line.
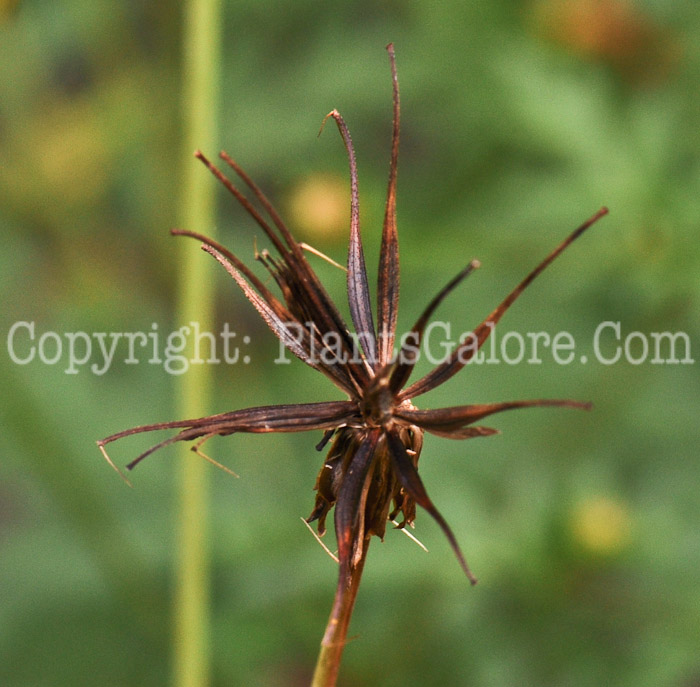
(520,119)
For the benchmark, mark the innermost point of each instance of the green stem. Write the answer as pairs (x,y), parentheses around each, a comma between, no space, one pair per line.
(334,639)
(195,304)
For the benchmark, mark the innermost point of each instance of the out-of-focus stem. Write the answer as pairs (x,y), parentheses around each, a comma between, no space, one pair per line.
(201,32)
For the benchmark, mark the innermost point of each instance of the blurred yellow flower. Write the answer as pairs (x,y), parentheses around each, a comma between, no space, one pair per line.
(319,207)
(601,525)
(72,155)
(7,7)
(617,32)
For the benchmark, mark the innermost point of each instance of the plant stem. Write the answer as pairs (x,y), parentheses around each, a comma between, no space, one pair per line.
(201,22)
(334,639)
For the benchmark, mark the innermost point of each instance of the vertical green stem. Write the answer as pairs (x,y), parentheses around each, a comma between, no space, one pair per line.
(201,44)
(333,642)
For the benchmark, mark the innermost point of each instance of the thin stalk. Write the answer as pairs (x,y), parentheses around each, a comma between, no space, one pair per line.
(201,42)
(334,639)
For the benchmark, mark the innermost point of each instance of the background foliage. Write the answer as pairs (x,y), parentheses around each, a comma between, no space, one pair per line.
(519,120)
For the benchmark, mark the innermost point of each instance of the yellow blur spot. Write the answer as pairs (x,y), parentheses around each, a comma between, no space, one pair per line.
(72,155)
(320,207)
(7,7)
(618,32)
(601,525)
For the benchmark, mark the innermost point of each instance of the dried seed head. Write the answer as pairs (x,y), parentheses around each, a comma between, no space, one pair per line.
(370,475)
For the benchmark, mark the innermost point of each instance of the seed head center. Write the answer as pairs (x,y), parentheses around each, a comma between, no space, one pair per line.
(378,402)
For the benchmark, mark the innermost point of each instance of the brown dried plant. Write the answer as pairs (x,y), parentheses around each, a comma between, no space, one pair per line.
(370,473)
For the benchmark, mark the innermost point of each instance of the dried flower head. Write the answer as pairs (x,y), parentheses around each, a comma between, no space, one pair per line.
(370,473)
